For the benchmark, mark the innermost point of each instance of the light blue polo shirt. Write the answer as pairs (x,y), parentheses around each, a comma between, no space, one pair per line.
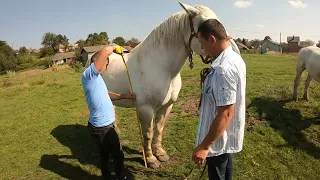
(97,97)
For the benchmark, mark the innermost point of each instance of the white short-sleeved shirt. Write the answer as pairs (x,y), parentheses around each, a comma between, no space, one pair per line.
(224,85)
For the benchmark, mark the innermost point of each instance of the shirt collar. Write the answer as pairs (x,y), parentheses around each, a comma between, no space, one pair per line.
(219,59)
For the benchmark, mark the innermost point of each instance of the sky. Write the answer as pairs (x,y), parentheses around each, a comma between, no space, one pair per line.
(23,23)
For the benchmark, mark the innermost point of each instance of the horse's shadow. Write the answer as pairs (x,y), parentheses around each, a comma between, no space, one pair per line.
(289,123)
(83,149)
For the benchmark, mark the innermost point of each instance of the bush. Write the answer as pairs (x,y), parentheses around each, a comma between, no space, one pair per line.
(77,66)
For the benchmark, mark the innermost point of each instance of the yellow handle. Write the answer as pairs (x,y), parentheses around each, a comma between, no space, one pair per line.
(118,50)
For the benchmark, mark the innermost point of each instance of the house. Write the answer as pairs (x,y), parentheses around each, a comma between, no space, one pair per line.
(293,44)
(129,48)
(87,52)
(61,58)
(269,45)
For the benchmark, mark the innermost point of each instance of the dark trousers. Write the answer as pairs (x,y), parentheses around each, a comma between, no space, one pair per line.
(108,143)
(220,167)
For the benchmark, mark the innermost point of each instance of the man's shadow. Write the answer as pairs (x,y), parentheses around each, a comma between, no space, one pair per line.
(83,149)
(289,123)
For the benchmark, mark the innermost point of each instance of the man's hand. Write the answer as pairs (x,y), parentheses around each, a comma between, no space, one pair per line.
(199,155)
(109,49)
(129,96)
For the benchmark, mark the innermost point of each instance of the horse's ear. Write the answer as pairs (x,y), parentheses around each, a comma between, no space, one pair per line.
(189,9)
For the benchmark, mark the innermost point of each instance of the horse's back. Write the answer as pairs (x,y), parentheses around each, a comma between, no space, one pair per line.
(304,54)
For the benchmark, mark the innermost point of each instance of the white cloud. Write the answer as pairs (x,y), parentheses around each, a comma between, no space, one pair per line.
(242,4)
(260,25)
(297,4)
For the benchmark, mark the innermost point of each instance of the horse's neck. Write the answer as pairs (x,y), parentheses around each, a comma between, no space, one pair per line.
(166,47)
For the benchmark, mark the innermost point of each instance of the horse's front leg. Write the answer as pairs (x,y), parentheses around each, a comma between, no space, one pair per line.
(297,82)
(161,118)
(146,119)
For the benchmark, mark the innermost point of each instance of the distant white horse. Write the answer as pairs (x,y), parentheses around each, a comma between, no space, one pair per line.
(308,59)
(154,68)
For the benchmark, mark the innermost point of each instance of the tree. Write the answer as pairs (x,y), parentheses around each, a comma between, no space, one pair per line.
(95,39)
(63,40)
(23,50)
(51,43)
(49,40)
(267,37)
(104,37)
(46,51)
(81,43)
(8,59)
(119,40)
(318,45)
(244,41)
(311,42)
(239,40)
(255,43)
(133,42)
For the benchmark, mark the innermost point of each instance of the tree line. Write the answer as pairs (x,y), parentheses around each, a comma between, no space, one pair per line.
(23,58)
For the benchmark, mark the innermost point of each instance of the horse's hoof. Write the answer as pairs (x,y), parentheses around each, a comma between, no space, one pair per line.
(154,165)
(163,158)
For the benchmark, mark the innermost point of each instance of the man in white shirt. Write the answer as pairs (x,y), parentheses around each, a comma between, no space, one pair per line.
(222,111)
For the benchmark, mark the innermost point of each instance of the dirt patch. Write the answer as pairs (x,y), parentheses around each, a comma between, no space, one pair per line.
(35,72)
(175,160)
(191,107)
(272,52)
(192,80)
(251,121)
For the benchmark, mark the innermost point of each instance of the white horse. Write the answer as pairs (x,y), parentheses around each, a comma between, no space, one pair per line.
(308,59)
(154,67)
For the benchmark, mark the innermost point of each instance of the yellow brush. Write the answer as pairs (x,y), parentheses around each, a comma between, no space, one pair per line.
(118,50)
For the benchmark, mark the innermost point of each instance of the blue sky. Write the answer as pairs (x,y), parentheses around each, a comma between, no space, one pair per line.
(24,22)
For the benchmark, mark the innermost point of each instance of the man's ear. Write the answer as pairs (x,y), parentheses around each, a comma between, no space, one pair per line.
(212,39)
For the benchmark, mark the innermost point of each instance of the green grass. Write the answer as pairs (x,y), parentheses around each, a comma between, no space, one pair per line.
(43,132)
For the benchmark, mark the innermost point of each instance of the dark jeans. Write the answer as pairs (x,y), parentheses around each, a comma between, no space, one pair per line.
(220,167)
(108,143)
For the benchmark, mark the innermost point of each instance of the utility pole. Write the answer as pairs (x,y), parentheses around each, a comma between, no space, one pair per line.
(280,43)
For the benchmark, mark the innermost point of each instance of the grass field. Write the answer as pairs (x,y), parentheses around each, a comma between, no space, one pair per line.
(43,131)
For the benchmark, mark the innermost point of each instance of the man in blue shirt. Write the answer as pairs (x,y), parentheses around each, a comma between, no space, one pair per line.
(102,114)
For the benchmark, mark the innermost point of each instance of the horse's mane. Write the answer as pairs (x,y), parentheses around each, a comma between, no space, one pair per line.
(170,31)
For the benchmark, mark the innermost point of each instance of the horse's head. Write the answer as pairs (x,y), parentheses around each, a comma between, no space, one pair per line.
(198,15)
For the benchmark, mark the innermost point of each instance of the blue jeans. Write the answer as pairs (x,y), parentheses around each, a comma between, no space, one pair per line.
(220,167)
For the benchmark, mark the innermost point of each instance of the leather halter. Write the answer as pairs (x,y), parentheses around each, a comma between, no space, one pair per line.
(194,34)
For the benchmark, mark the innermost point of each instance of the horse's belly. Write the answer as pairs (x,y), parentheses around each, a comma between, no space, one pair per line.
(313,66)
(117,81)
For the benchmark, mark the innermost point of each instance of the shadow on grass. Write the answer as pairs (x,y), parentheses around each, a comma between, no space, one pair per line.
(288,122)
(77,138)
(83,149)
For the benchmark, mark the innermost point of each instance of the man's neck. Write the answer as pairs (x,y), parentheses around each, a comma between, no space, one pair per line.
(224,45)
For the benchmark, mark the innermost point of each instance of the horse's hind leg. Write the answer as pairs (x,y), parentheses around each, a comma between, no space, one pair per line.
(161,118)
(146,115)
(297,82)
(306,87)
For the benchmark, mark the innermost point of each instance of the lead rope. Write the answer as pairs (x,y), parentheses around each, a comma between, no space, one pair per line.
(203,74)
